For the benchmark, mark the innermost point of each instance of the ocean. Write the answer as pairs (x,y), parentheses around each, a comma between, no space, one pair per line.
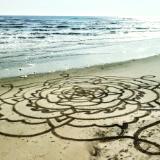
(38,44)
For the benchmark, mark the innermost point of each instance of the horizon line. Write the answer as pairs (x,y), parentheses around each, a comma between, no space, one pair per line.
(36,15)
(114,16)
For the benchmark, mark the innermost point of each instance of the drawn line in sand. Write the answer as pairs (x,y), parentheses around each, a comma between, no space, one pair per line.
(76,108)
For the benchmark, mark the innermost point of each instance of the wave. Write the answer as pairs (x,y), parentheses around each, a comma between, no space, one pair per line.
(61,26)
(40,33)
(74,33)
(144,28)
(48,26)
(12,26)
(78,28)
(4,42)
(38,29)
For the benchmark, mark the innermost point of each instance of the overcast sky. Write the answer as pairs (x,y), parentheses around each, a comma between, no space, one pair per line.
(127,8)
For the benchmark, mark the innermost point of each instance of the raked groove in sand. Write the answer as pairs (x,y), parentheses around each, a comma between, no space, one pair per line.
(101,115)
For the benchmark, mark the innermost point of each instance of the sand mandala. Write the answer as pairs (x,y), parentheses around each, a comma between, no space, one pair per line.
(84,109)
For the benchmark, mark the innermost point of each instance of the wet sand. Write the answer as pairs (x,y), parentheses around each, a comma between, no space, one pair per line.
(105,112)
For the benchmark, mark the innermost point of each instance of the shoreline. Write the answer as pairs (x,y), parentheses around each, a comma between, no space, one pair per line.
(117,52)
(106,66)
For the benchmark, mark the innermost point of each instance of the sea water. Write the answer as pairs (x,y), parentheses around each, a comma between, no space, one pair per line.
(36,44)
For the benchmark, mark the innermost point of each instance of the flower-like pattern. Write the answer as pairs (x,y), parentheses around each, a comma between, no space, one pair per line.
(78,108)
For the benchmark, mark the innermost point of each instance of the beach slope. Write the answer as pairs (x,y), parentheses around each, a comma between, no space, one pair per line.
(105,112)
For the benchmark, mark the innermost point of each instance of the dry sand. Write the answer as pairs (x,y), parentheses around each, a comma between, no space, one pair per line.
(106,112)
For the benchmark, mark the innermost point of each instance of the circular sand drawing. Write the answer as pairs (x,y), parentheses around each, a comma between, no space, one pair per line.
(81,108)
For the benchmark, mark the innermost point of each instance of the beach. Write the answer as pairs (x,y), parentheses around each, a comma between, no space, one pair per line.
(103,112)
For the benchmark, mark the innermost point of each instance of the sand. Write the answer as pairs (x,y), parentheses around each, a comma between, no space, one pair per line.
(105,112)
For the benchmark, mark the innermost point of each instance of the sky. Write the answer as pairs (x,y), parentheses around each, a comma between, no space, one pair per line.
(120,8)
